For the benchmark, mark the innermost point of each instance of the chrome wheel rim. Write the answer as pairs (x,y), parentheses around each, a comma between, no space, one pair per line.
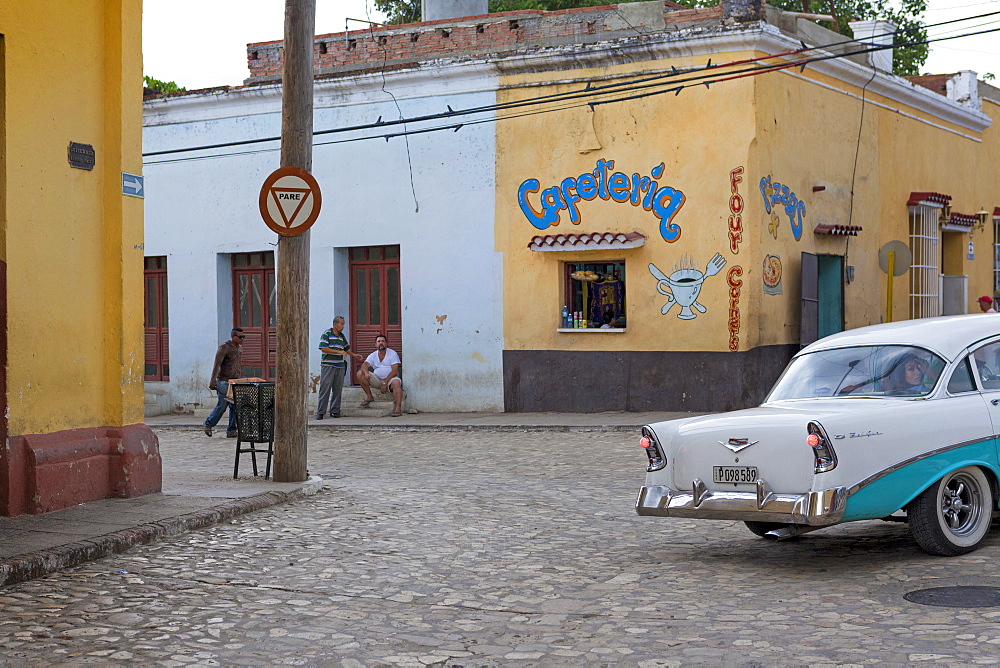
(961,507)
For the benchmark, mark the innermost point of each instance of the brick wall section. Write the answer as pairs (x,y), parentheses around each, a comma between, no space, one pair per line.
(935,82)
(502,33)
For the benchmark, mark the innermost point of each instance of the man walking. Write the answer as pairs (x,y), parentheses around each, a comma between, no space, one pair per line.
(228,365)
(381,371)
(335,348)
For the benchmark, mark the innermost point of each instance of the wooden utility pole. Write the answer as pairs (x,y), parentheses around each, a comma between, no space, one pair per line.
(293,252)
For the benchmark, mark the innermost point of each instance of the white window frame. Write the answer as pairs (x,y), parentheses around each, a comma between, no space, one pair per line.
(996,254)
(925,272)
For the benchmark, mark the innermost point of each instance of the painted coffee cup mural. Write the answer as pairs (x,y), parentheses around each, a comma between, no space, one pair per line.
(683,285)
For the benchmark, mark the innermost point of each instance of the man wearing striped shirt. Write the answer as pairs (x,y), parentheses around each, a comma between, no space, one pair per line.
(335,348)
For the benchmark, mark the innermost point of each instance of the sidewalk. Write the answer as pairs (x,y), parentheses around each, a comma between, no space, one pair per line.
(196,495)
(609,421)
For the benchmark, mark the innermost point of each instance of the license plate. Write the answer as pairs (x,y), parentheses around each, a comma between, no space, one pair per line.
(735,474)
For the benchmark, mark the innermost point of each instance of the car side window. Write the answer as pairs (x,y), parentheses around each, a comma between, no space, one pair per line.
(961,378)
(987,360)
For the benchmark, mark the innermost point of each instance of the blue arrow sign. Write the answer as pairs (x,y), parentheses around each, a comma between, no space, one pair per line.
(132,185)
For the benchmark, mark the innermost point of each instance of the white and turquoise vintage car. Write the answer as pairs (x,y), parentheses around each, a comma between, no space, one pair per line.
(870,423)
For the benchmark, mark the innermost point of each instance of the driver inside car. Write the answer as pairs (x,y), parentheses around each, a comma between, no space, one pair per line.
(986,366)
(908,376)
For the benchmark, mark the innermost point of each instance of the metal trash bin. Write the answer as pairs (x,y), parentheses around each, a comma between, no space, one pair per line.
(254,405)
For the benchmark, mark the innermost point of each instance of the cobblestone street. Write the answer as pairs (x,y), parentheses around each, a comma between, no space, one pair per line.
(488,548)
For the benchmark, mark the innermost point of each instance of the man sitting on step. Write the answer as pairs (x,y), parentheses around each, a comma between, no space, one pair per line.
(381,371)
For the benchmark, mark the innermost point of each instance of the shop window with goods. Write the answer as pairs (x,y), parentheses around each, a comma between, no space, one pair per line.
(593,295)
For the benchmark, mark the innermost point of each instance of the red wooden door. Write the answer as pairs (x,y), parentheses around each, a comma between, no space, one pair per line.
(375,303)
(155,319)
(255,310)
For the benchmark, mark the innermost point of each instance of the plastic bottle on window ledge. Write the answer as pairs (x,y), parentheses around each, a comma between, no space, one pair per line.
(565,318)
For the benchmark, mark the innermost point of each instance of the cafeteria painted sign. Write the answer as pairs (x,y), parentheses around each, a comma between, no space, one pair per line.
(637,190)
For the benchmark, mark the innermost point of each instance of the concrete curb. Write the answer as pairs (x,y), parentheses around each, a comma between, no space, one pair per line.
(439,427)
(33,565)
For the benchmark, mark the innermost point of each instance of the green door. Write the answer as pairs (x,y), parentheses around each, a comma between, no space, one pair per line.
(831,294)
(822,296)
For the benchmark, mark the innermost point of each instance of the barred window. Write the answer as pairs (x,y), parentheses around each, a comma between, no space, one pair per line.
(925,273)
(996,255)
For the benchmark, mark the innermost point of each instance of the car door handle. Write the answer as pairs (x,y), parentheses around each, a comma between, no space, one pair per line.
(995,402)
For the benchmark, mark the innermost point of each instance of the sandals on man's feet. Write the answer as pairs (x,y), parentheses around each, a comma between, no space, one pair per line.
(395,414)
(366,402)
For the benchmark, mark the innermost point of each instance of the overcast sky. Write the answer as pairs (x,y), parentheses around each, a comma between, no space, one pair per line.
(202,43)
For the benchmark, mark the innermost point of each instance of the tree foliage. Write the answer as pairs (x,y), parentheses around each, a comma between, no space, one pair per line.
(399,11)
(408,11)
(161,86)
(906,14)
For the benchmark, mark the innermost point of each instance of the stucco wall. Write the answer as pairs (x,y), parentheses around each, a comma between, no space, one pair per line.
(450,287)
(778,150)
(901,139)
(72,242)
(699,137)
(790,132)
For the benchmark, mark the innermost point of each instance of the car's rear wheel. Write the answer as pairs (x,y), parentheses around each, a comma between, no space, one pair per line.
(953,515)
(761,528)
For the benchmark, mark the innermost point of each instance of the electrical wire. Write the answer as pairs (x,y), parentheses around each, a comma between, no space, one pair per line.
(975,4)
(857,152)
(399,110)
(591,91)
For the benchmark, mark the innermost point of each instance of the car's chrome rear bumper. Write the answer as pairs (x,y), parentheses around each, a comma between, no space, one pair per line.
(762,505)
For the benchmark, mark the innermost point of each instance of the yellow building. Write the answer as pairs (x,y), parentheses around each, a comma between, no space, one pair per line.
(718,206)
(71,255)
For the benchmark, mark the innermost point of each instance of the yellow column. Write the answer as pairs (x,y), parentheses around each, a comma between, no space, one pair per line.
(123,216)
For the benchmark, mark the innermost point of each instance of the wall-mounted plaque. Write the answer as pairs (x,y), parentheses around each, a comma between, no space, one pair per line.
(82,156)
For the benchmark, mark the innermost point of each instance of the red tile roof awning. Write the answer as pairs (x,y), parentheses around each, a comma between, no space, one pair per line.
(593,241)
(838,230)
(962,220)
(928,198)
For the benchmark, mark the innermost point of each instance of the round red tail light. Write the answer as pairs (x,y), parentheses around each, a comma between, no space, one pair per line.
(645,442)
(813,440)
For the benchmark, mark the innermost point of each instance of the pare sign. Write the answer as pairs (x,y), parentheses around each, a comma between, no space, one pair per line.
(290,201)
